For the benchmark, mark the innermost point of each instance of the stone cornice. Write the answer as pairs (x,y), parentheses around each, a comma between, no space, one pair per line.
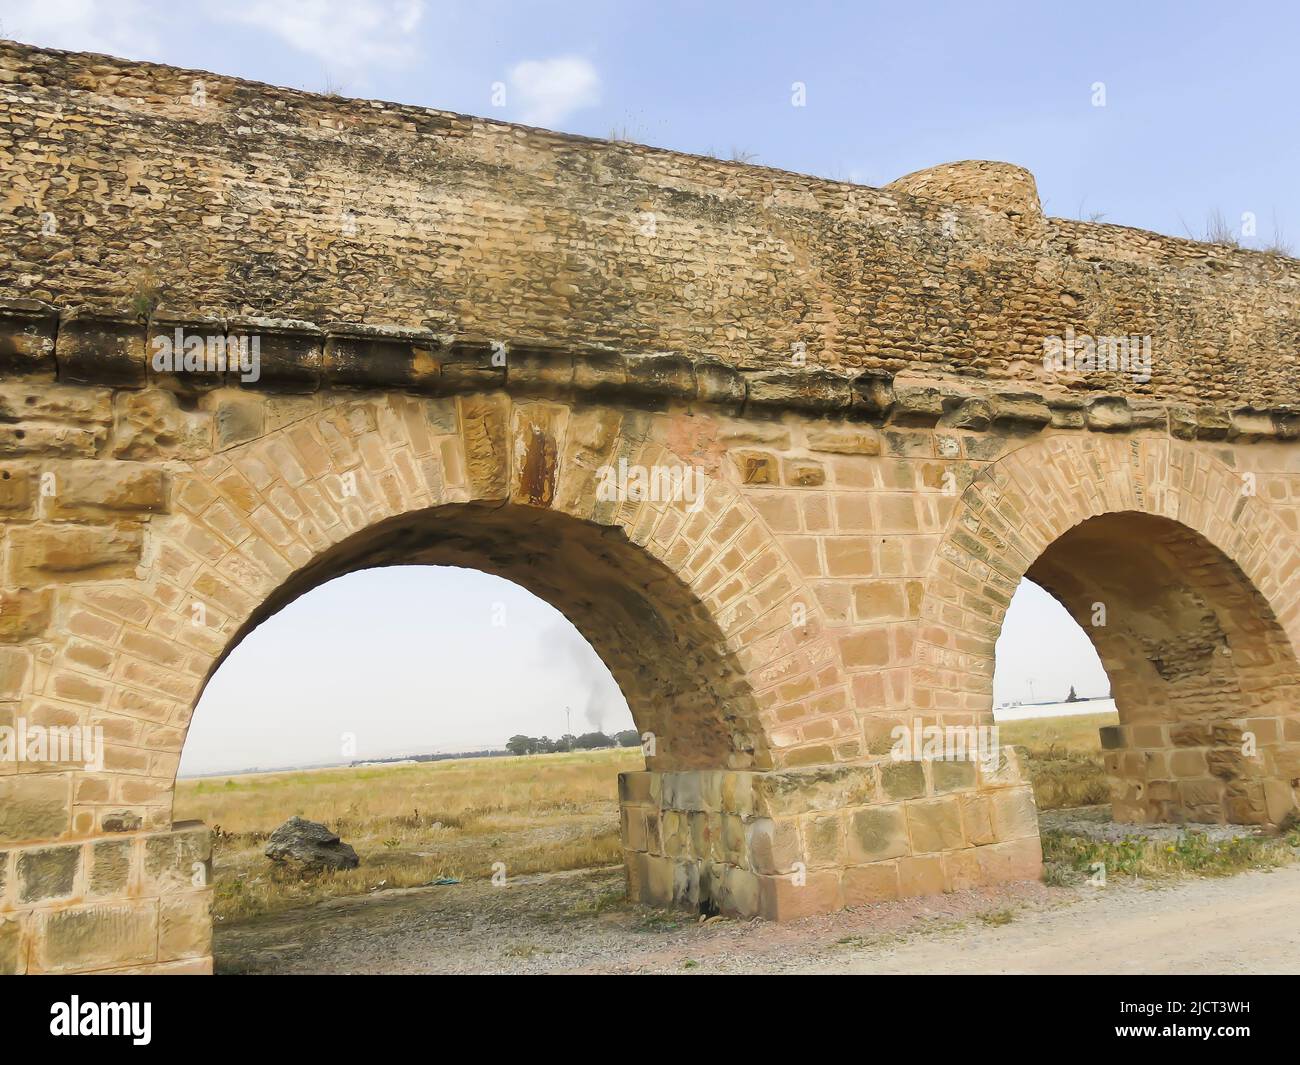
(114,349)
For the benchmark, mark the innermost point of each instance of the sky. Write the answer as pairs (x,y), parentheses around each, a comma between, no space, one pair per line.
(1198,99)
(1155,115)
(419,659)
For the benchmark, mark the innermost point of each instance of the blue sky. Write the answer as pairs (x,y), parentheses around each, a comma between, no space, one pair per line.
(1201,108)
(1200,115)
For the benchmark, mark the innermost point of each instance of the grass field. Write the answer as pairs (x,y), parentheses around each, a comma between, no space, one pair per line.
(411,824)
(1064,758)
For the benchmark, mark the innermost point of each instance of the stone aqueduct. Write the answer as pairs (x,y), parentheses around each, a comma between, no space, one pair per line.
(462,323)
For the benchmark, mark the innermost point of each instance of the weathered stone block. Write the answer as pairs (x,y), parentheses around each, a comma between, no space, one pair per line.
(954,775)
(16,492)
(106,488)
(686,884)
(876,833)
(237,419)
(100,936)
(921,875)
(13,944)
(1111,736)
(902,780)
(844,440)
(99,348)
(536,431)
(720,384)
(486,419)
(289,353)
(23,614)
(176,861)
(1015,816)
(809,390)
(774,845)
(186,353)
(823,839)
(1020,410)
(934,825)
(634,787)
(659,377)
(185,926)
(961,870)
(738,794)
(1109,414)
(785,898)
(864,884)
(1003,771)
(657,880)
(110,868)
(62,405)
(472,364)
(27,329)
(540,369)
(42,440)
(48,554)
(15,666)
(976,819)
(34,807)
(150,425)
(364,356)
(48,873)
(1020,859)
(827,787)
(739,892)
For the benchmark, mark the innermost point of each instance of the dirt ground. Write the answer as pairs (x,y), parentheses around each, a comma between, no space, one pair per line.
(577,923)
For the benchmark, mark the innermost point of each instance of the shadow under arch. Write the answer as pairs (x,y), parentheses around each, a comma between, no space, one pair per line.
(1205,679)
(682,683)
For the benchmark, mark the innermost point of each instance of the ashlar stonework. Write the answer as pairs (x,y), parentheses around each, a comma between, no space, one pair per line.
(781,448)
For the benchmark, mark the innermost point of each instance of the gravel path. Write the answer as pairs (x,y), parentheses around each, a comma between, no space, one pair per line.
(575,922)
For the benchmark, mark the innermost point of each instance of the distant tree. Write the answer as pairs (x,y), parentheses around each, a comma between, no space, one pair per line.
(521,745)
(628,738)
(590,741)
(1072,698)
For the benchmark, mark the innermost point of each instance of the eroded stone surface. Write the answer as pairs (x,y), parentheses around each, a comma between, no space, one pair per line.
(789,534)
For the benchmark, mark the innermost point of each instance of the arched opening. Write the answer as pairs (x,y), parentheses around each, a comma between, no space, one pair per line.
(687,692)
(1205,681)
(1051,696)
(376,704)
(1045,662)
(683,685)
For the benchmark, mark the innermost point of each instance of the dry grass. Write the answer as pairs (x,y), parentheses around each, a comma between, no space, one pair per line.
(1064,758)
(1069,857)
(411,824)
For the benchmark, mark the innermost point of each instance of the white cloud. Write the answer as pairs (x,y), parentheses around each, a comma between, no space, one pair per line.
(121,29)
(547,91)
(352,36)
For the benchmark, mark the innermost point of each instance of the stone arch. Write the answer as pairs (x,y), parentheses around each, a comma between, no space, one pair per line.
(1201,628)
(687,601)
(154,569)
(687,693)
